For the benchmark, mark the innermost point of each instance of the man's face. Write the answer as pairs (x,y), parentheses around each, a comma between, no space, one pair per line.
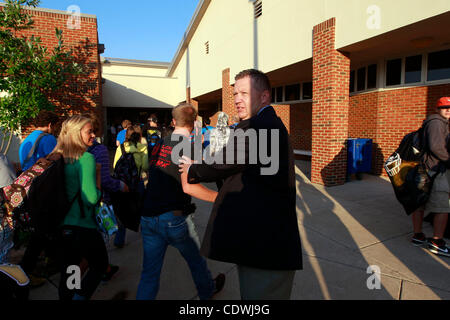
(248,99)
(444,112)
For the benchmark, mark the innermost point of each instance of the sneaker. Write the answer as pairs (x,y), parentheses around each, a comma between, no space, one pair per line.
(419,239)
(438,246)
(110,272)
(219,283)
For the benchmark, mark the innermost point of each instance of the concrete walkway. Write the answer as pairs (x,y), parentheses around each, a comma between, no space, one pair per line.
(344,230)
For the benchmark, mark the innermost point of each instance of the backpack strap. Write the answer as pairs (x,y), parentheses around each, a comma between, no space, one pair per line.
(80,203)
(122,148)
(35,146)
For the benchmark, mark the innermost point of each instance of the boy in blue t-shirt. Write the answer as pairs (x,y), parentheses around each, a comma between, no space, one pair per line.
(122,134)
(44,123)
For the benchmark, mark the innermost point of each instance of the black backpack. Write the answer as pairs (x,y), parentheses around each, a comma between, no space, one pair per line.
(406,170)
(44,200)
(126,170)
(127,205)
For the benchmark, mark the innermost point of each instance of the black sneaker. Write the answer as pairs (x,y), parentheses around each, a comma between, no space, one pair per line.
(438,246)
(108,274)
(419,239)
(219,282)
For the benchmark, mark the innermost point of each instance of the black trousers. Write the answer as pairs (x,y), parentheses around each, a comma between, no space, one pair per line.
(10,290)
(78,243)
(39,242)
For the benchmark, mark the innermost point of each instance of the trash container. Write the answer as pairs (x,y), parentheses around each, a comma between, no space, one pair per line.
(359,156)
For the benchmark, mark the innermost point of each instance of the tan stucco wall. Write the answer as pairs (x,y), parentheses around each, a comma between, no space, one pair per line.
(138,87)
(284,33)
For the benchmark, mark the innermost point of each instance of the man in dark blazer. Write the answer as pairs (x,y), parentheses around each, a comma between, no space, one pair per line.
(253,222)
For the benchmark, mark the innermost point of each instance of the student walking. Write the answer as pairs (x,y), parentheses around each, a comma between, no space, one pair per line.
(80,237)
(437,161)
(166,216)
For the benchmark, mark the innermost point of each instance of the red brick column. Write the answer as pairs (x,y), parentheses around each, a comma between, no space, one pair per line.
(227,95)
(331,76)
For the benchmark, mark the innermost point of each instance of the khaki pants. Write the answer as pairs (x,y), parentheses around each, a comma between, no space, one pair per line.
(258,284)
(439,200)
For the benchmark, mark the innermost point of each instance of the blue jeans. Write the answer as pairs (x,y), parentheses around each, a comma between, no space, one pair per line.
(157,233)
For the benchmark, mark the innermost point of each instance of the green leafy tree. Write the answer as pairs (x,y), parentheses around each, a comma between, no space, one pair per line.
(29,72)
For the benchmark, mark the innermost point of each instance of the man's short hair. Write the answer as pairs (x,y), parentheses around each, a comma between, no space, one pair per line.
(185,115)
(45,117)
(259,79)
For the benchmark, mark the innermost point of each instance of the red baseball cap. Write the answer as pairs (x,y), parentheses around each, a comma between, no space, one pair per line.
(443,102)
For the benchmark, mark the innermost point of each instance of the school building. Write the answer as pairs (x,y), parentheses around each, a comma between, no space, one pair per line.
(339,69)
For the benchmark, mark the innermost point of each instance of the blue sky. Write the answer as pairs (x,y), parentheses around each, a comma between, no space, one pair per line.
(142,29)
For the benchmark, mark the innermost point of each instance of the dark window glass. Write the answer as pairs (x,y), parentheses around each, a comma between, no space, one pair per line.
(361,79)
(393,72)
(372,76)
(439,65)
(273,95)
(292,92)
(307,91)
(413,69)
(279,94)
(352,81)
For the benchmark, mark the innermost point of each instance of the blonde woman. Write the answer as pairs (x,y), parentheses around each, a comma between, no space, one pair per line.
(80,238)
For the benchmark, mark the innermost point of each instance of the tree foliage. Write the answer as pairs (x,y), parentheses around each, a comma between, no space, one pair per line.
(29,71)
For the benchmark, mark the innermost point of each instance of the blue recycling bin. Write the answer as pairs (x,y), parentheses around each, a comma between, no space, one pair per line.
(359,156)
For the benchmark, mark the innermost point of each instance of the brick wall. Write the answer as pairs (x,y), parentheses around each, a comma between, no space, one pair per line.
(330,109)
(227,95)
(79,94)
(301,126)
(386,116)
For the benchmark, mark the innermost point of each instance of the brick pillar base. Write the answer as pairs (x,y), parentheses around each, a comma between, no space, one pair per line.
(228,96)
(331,76)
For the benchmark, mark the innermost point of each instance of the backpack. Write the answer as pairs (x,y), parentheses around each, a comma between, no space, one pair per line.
(37,198)
(127,205)
(126,170)
(410,180)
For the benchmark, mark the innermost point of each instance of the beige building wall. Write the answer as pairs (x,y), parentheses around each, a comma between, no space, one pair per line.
(138,86)
(283,34)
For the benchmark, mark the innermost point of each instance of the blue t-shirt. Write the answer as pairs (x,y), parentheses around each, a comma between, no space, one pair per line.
(206,132)
(121,136)
(45,147)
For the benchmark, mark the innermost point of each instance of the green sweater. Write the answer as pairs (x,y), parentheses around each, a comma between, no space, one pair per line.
(82,173)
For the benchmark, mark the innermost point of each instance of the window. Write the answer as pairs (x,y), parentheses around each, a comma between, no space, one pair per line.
(372,76)
(307,91)
(413,69)
(361,79)
(352,81)
(439,65)
(393,72)
(258,8)
(279,94)
(273,95)
(292,92)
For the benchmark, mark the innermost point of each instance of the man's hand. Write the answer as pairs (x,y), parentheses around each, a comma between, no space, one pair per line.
(185,164)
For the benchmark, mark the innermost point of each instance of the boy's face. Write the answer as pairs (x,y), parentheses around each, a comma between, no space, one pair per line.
(444,112)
